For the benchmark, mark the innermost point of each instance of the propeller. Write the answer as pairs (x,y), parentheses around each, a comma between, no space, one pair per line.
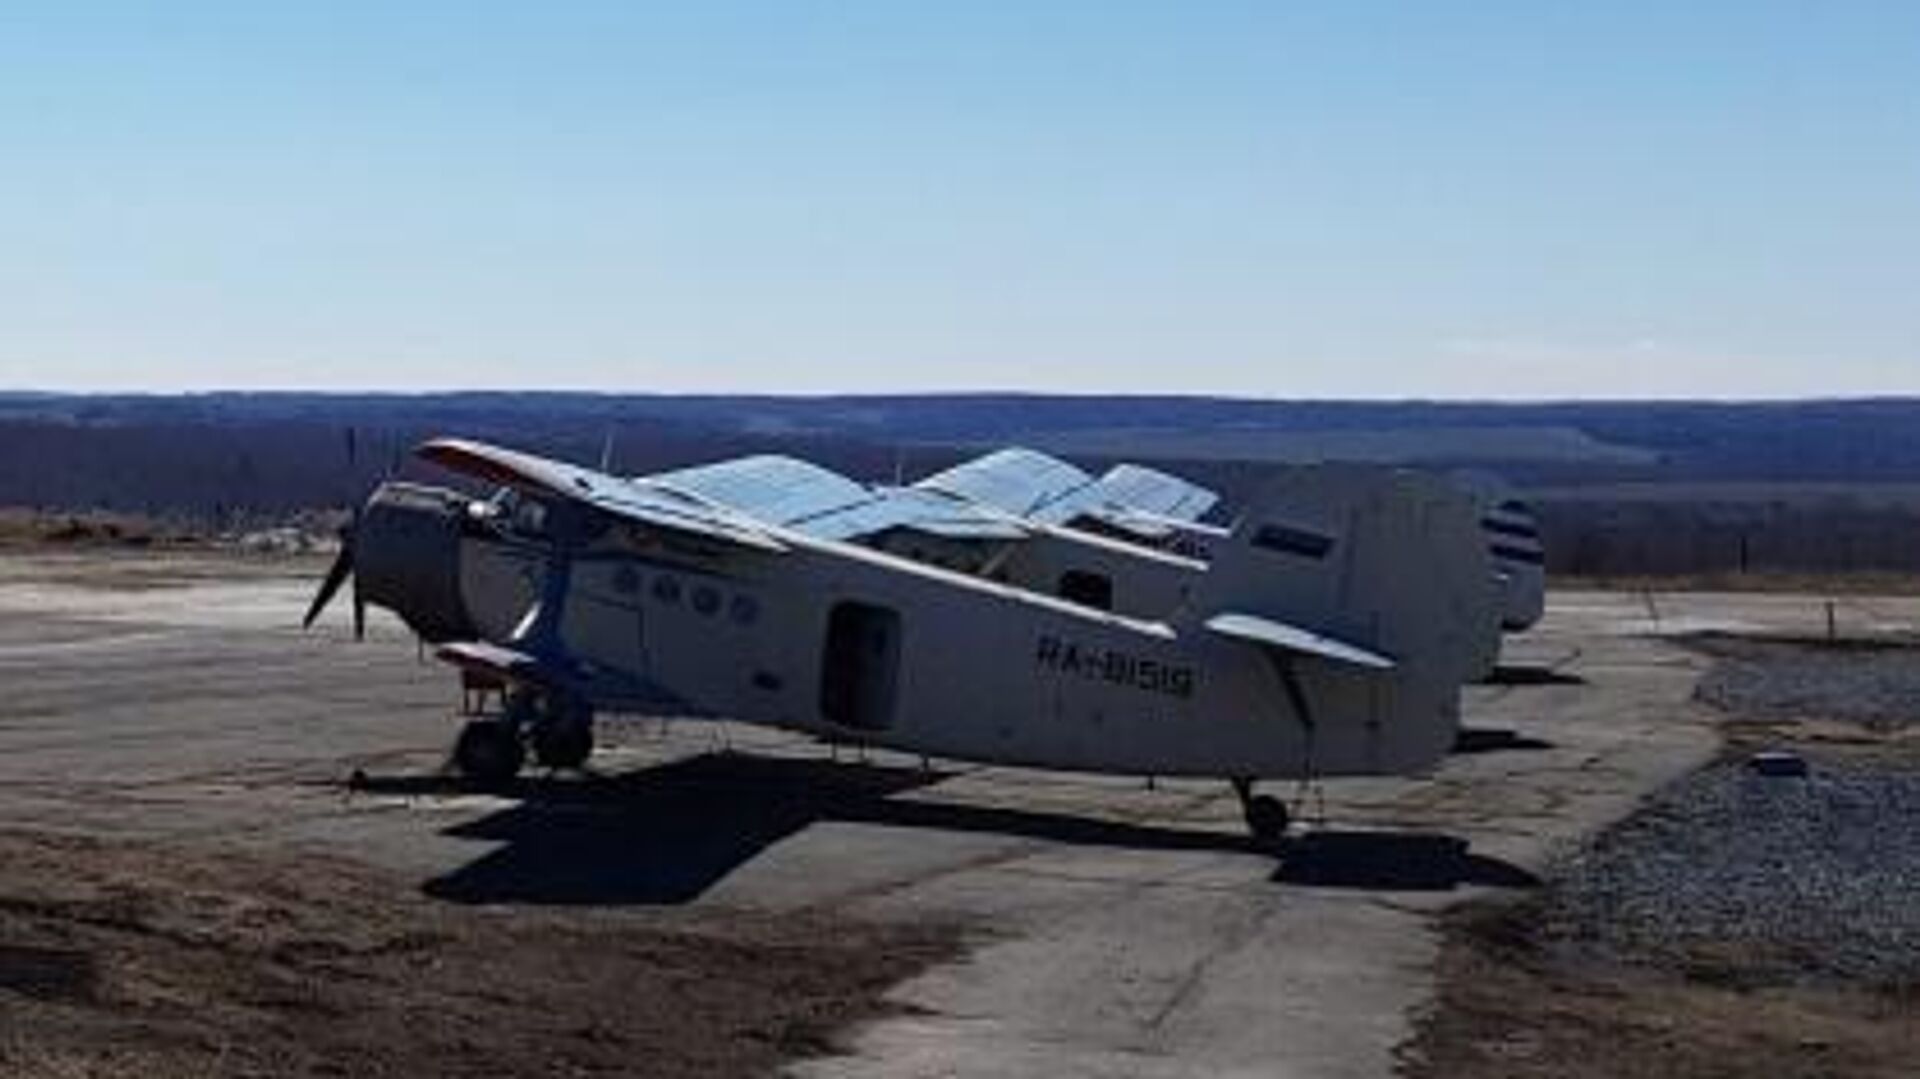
(343,569)
(338,574)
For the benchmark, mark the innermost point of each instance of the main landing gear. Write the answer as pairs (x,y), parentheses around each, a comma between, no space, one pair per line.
(557,726)
(489,751)
(1266,815)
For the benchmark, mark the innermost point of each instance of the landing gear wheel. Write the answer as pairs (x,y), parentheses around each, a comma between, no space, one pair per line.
(562,743)
(1266,819)
(489,752)
(559,725)
(1266,815)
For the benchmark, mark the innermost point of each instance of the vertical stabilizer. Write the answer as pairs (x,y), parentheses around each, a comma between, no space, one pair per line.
(1388,561)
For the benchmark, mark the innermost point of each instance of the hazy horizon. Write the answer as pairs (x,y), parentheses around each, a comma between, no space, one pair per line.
(957,394)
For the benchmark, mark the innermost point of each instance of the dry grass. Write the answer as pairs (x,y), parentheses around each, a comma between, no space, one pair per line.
(1513,1008)
(92,528)
(161,961)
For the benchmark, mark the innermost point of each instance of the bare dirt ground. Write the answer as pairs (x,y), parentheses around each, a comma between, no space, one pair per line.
(1510,1007)
(131,958)
(1737,925)
(147,933)
(191,884)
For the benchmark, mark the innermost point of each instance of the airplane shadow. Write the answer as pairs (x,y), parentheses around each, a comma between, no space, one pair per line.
(1514,674)
(1394,861)
(1495,740)
(667,834)
(660,835)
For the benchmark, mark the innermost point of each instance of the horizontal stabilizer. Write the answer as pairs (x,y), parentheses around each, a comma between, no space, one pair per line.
(1265,631)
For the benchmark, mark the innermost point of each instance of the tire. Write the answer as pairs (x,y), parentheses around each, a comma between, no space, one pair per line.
(1267,818)
(489,753)
(562,743)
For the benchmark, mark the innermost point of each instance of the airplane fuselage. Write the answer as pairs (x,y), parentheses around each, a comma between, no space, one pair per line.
(853,644)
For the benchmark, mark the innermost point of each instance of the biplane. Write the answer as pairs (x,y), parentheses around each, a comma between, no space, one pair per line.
(1319,639)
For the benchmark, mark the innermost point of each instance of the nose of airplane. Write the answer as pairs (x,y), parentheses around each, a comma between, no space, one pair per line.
(406,557)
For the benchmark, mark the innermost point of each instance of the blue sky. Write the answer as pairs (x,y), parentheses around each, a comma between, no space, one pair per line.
(1275,199)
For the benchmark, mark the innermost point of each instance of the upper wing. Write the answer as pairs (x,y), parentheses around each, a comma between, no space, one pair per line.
(1017,481)
(632,500)
(1137,500)
(1155,493)
(918,510)
(826,505)
(780,490)
(1028,483)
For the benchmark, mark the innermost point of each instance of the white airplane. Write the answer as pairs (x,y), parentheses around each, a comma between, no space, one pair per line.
(1513,539)
(1314,644)
(1152,510)
(1163,511)
(1130,502)
(945,529)
(1023,518)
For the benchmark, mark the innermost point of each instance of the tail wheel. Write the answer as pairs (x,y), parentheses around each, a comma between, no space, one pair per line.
(489,752)
(1267,818)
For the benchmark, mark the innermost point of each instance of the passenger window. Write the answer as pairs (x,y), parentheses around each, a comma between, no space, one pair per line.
(1087,589)
(706,599)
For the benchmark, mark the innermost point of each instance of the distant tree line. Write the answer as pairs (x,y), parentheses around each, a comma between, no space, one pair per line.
(213,473)
(1850,440)
(221,459)
(1674,538)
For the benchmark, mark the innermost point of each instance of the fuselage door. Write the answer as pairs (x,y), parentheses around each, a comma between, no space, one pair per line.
(860,666)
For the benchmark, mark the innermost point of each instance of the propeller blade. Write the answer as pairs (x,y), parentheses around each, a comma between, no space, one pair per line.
(337,575)
(359,601)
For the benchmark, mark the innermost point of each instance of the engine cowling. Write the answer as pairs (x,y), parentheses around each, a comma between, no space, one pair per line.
(407,557)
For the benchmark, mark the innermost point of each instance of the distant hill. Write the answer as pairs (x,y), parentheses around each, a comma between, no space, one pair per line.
(1811,440)
(1674,489)
(216,452)
(1460,445)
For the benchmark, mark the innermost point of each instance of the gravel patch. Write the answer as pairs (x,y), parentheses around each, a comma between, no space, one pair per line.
(1737,923)
(1735,876)
(1874,684)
